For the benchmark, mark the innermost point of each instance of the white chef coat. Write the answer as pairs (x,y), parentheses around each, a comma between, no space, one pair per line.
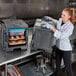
(62,34)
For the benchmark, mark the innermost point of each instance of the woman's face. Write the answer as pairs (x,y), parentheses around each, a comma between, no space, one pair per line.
(65,16)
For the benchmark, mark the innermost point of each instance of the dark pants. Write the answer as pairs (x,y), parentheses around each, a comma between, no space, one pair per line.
(66,55)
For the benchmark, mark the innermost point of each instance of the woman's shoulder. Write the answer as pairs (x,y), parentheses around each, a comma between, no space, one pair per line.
(70,24)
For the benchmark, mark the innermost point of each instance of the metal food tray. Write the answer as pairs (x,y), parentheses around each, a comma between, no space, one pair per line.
(16,43)
(16,39)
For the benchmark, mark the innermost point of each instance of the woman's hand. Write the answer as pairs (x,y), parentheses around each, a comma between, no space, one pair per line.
(47,18)
(53,29)
(48,26)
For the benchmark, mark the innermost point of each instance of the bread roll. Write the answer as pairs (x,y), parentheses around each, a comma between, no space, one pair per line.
(12,41)
(12,37)
(20,41)
(22,36)
(17,37)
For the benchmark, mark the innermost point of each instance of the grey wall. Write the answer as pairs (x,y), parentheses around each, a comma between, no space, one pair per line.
(31,8)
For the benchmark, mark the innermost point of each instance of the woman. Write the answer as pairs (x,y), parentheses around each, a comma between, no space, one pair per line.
(62,33)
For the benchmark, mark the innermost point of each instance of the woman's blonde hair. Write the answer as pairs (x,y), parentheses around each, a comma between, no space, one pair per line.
(70,12)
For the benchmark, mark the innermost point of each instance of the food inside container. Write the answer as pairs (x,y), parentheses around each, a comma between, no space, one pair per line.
(17,37)
(11,37)
(20,41)
(12,42)
(21,36)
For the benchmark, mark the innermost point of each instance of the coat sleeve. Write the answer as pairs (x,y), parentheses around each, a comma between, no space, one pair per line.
(55,21)
(65,34)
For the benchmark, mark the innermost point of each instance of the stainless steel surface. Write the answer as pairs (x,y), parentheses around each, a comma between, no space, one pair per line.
(6,10)
(31,8)
(56,7)
(8,57)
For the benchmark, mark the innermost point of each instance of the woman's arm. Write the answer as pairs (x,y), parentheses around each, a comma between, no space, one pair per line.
(48,18)
(53,29)
(54,20)
(64,34)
